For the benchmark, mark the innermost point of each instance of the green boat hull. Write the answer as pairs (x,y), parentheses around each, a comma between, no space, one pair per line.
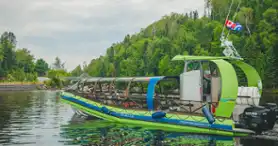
(153,125)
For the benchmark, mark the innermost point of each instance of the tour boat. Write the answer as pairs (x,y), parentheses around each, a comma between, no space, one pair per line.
(206,98)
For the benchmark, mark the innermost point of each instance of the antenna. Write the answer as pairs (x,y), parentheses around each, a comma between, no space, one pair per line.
(230,50)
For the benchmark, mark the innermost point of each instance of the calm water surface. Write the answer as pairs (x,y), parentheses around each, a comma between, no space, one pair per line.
(39,118)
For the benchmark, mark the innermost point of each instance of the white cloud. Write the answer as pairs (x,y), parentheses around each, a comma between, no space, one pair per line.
(79,30)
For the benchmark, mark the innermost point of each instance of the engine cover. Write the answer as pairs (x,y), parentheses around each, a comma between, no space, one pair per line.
(273,117)
(259,118)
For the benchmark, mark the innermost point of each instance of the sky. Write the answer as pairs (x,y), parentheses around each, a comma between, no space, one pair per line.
(80,30)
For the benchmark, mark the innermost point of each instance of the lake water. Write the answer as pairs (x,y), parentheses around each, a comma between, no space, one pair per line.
(39,118)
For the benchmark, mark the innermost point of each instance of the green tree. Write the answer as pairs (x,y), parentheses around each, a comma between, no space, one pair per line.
(41,67)
(16,64)
(8,36)
(25,60)
(77,71)
(58,64)
(7,54)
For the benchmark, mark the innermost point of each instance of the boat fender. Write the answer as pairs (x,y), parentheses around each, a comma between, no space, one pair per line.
(105,110)
(208,115)
(158,115)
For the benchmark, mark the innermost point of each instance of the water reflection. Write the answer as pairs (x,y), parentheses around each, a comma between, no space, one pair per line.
(268,98)
(39,118)
(100,132)
(31,117)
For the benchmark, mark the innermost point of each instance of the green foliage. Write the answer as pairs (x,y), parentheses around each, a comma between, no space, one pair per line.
(41,67)
(20,75)
(57,73)
(149,52)
(54,83)
(77,71)
(25,60)
(56,78)
(18,64)
(8,58)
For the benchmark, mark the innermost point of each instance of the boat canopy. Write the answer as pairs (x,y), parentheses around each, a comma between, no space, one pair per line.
(152,82)
(201,58)
(122,79)
(127,79)
(253,77)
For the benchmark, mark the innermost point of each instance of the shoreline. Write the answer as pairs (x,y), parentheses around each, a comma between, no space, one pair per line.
(21,83)
(273,91)
(24,86)
(19,87)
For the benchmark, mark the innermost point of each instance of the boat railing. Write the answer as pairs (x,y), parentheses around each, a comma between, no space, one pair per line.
(169,105)
(184,106)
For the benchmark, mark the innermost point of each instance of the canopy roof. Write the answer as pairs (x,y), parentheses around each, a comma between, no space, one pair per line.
(119,79)
(187,57)
(127,79)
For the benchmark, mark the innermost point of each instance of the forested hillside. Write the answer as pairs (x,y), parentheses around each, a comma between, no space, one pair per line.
(18,64)
(150,51)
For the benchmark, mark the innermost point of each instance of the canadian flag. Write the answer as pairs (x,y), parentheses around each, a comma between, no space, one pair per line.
(230,24)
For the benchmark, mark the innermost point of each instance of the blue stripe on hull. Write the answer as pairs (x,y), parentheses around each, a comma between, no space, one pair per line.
(149,118)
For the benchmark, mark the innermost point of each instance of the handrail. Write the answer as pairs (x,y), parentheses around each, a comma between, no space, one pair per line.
(136,103)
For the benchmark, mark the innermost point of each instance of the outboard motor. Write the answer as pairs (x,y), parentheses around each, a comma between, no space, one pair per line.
(259,118)
(274,113)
